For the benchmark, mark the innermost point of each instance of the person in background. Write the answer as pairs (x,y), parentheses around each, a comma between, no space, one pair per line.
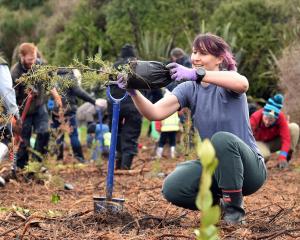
(70,97)
(87,115)
(130,120)
(9,110)
(168,129)
(255,104)
(218,103)
(273,132)
(179,56)
(37,117)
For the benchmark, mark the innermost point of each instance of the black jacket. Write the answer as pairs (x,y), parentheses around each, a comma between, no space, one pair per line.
(40,96)
(73,92)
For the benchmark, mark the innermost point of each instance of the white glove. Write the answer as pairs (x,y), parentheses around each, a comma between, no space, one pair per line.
(101,103)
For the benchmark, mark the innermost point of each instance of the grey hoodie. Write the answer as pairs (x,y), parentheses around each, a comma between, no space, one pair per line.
(7,93)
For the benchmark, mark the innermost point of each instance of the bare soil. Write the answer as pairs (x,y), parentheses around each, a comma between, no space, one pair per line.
(27,210)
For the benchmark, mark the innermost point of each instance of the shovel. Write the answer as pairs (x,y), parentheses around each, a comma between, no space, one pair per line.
(107,203)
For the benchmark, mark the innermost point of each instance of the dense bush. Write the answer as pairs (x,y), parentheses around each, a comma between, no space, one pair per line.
(17,4)
(259,29)
(16,27)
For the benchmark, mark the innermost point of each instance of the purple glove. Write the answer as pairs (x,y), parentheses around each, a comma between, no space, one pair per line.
(179,72)
(122,83)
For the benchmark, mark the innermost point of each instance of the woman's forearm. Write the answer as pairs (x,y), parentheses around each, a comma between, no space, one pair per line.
(227,79)
(158,111)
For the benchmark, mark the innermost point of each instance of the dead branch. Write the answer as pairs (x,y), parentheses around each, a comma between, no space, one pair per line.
(259,209)
(128,172)
(277,234)
(12,229)
(281,212)
(137,222)
(20,215)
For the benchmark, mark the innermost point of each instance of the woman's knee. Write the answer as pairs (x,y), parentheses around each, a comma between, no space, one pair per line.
(173,193)
(220,140)
(170,190)
(181,186)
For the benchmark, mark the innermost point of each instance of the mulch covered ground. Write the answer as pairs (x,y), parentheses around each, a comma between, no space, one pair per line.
(35,209)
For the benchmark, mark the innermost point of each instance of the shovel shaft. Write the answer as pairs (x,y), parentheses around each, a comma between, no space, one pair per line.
(113,143)
(101,130)
(112,151)
(99,138)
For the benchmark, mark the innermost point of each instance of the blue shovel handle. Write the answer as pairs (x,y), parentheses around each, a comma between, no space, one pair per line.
(99,138)
(101,132)
(113,142)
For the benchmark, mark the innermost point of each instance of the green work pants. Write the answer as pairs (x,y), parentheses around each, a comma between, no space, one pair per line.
(239,168)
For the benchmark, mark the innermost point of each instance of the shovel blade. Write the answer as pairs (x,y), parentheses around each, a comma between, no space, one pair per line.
(102,205)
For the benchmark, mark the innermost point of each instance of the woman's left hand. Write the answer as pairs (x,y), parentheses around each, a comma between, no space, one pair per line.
(122,83)
(179,72)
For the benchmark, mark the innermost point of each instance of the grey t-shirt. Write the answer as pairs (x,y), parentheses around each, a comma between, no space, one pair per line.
(216,109)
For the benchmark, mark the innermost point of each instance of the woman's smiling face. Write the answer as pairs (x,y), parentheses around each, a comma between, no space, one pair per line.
(205,60)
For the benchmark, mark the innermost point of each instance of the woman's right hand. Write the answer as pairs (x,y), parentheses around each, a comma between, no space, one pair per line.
(179,72)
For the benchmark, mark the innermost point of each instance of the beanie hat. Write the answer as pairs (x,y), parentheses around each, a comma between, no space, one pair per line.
(273,106)
(127,51)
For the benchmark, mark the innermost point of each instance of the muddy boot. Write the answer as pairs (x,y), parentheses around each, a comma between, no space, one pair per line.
(232,206)
(127,161)
(22,156)
(60,152)
(118,161)
(78,154)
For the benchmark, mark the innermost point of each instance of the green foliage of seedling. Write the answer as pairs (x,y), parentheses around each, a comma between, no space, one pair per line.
(56,182)
(98,162)
(96,147)
(188,138)
(156,167)
(21,210)
(55,198)
(79,166)
(95,73)
(54,213)
(35,167)
(4,209)
(210,215)
(297,169)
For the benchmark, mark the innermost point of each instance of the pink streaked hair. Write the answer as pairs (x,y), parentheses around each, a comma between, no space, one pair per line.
(211,44)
